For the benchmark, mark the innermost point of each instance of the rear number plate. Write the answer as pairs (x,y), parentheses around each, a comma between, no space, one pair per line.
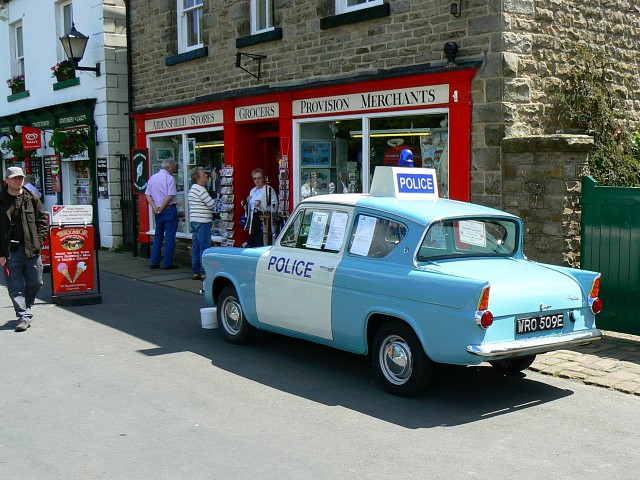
(540,323)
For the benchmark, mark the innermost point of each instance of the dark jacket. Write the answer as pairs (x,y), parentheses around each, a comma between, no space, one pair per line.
(34,221)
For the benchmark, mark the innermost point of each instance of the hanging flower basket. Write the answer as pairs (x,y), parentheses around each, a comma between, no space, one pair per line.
(70,142)
(63,71)
(15,145)
(16,84)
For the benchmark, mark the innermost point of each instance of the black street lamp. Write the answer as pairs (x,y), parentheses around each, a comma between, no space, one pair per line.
(74,44)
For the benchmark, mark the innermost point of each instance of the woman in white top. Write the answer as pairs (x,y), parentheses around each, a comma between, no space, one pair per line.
(201,217)
(262,199)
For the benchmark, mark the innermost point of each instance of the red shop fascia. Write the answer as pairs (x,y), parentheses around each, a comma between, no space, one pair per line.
(259,131)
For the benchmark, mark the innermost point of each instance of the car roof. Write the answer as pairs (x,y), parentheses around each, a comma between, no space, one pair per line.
(421,211)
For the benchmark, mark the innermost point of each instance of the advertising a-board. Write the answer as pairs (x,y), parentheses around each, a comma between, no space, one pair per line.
(72,259)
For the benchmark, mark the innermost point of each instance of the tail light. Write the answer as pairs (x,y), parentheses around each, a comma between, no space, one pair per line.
(595,289)
(484,317)
(595,303)
(484,299)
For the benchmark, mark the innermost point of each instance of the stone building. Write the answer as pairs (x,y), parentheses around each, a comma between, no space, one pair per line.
(320,91)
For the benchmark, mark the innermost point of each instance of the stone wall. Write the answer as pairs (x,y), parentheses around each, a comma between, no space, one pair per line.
(542,184)
(527,62)
(526,47)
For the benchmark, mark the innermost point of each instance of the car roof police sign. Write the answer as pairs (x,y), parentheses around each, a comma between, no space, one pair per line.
(398,182)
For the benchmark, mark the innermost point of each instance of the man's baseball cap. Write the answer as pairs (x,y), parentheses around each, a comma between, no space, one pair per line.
(14,172)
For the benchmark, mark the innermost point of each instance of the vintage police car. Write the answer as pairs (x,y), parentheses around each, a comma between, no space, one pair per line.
(406,277)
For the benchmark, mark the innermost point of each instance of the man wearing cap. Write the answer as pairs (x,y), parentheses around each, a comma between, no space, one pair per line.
(23,230)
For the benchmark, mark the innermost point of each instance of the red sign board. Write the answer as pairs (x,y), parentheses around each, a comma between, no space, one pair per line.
(73,259)
(31,138)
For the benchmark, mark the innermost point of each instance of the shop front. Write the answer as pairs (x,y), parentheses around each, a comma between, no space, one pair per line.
(313,141)
(63,168)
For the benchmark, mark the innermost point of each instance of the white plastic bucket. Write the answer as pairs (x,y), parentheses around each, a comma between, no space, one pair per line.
(208,317)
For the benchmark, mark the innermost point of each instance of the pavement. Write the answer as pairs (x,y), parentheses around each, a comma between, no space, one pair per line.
(612,362)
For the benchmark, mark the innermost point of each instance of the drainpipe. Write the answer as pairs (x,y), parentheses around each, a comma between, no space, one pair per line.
(127,4)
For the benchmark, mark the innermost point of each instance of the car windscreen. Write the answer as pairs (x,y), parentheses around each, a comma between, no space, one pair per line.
(473,237)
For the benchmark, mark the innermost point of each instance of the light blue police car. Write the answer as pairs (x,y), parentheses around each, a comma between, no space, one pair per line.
(407,278)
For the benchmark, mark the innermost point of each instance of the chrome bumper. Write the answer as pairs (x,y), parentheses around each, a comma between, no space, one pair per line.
(529,346)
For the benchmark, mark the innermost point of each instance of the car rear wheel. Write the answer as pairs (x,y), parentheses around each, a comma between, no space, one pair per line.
(399,361)
(513,365)
(233,324)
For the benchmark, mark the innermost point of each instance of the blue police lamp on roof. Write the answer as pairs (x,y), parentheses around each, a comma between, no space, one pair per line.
(74,44)
(406,158)
(405,183)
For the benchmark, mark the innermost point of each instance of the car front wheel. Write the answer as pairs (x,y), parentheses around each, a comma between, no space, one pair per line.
(399,361)
(233,324)
(513,365)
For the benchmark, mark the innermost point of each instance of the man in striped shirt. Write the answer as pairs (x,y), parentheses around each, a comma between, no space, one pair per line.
(201,217)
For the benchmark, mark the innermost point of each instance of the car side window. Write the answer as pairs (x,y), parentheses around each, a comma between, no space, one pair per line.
(320,229)
(375,237)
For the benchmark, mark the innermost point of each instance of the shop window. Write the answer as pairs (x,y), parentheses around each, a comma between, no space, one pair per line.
(375,237)
(330,159)
(425,135)
(340,155)
(190,25)
(261,16)
(190,150)
(317,229)
(344,6)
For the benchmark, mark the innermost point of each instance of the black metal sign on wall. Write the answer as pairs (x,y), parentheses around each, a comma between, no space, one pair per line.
(103,179)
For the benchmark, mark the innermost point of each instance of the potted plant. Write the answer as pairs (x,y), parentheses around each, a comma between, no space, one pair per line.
(63,71)
(16,84)
(70,142)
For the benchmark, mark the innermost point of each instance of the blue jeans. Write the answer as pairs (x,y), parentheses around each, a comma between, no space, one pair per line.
(24,280)
(201,236)
(166,226)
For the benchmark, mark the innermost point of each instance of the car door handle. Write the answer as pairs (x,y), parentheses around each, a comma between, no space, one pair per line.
(328,268)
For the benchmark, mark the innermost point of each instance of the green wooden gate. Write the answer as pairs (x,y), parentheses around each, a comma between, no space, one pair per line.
(611,245)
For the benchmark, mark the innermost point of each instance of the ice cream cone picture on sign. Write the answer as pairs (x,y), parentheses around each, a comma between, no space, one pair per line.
(64,270)
(81,267)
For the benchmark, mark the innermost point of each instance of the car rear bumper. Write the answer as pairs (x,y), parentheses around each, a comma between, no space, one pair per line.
(529,346)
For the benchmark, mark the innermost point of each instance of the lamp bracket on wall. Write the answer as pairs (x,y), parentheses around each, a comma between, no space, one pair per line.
(254,57)
(456,9)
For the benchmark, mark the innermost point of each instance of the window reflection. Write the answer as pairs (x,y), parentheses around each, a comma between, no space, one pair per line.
(331,159)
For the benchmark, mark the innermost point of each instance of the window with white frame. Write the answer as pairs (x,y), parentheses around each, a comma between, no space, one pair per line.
(190,14)
(65,22)
(17,48)
(344,6)
(261,16)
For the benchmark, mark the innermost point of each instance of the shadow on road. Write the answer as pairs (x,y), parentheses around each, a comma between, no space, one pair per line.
(170,319)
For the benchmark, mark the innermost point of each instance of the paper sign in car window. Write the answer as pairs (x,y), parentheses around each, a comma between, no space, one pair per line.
(436,238)
(472,233)
(337,229)
(364,234)
(316,232)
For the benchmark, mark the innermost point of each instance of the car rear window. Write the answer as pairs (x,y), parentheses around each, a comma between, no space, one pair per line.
(471,237)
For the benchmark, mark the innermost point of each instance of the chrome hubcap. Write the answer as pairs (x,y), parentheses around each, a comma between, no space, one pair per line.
(396,361)
(232,316)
